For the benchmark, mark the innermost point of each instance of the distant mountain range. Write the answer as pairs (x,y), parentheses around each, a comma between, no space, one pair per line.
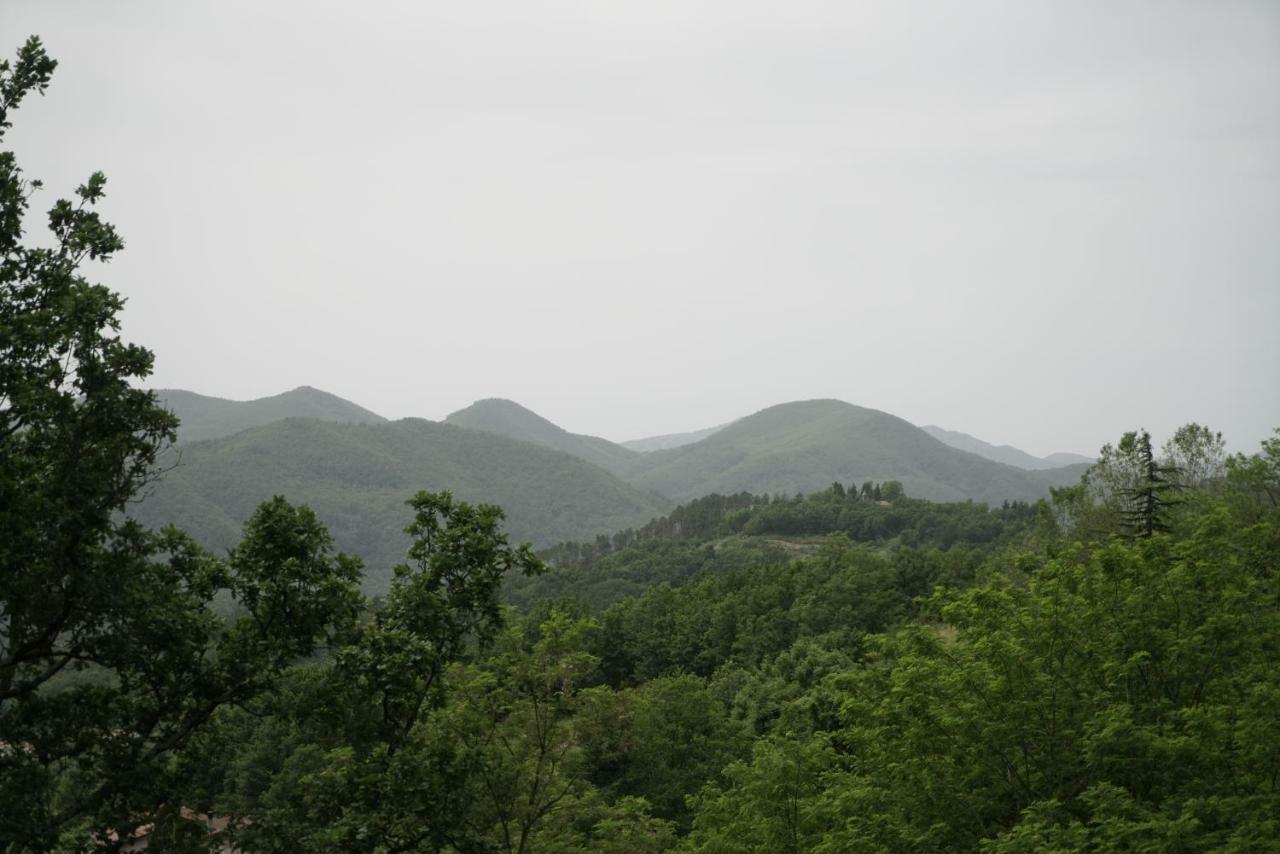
(670,440)
(356,468)
(803,446)
(358,476)
(507,418)
(1006,454)
(206,417)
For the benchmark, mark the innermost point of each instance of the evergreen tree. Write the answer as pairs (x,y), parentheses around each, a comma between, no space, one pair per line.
(1148,499)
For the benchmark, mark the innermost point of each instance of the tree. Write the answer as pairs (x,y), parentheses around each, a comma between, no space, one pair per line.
(1197,454)
(516,715)
(365,768)
(1129,489)
(1255,480)
(112,655)
(1147,498)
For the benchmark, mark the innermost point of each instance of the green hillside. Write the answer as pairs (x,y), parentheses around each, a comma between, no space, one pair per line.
(804,446)
(357,477)
(508,418)
(205,417)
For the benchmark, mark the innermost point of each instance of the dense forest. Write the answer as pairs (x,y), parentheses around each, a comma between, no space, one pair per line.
(853,669)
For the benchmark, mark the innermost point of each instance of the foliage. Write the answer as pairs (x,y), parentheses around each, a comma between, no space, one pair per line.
(111,654)
(351,763)
(1122,695)
(716,534)
(1148,499)
(844,671)
(357,477)
(129,659)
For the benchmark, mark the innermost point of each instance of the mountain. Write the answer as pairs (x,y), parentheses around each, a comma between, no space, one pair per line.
(1064,459)
(358,476)
(804,446)
(670,440)
(1006,454)
(206,417)
(507,418)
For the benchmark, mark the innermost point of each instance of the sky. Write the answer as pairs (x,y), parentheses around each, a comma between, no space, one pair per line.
(1041,223)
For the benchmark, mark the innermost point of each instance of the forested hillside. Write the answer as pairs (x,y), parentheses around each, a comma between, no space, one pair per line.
(358,476)
(355,469)
(1027,678)
(804,446)
(507,418)
(203,417)
(736,530)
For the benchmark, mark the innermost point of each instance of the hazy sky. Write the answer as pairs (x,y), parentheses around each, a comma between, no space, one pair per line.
(1040,223)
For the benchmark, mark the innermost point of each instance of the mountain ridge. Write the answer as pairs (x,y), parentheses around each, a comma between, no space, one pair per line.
(356,468)
(508,418)
(356,477)
(667,441)
(1007,454)
(805,445)
(206,417)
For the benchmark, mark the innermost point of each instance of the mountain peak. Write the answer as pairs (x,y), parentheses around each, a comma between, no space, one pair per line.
(500,415)
(508,418)
(204,417)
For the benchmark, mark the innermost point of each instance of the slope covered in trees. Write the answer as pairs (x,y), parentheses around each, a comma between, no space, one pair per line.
(203,417)
(804,446)
(720,531)
(210,418)
(356,476)
(1056,687)
(553,483)
(507,418)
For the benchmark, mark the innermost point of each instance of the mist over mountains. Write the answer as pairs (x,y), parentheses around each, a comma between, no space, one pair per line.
(356,468)
(1003,453)
(670,440)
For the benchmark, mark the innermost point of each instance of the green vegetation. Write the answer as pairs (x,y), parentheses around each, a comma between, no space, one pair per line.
(718,532)
(356,476)
(851,670)
(112,657)
(802,447)
(203,417)
(553,484)
(506,418)
(1034,685)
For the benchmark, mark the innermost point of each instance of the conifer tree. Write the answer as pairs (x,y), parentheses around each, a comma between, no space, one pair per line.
(1149,497)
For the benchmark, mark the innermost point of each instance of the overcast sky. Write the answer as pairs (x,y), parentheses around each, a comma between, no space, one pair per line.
(1039,223)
